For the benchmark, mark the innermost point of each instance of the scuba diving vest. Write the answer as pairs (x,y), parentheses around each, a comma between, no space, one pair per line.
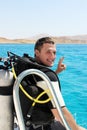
(40,113)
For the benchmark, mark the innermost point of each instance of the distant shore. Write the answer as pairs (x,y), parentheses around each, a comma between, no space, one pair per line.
(82,39)
(15,41)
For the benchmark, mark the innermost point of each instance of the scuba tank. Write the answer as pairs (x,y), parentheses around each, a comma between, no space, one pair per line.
(6,99)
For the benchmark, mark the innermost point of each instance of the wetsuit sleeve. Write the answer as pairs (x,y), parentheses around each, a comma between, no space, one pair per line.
(57,91)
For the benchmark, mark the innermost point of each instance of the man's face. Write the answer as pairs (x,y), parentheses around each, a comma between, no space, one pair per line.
(47,54)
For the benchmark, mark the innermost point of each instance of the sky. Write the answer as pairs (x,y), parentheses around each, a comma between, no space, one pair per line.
(27,18)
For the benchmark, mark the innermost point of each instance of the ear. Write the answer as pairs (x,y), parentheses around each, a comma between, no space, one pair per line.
(37,52)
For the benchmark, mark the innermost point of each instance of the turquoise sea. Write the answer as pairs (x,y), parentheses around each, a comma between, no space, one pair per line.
(73,79)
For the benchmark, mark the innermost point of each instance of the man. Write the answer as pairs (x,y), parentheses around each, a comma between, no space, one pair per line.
(45,54)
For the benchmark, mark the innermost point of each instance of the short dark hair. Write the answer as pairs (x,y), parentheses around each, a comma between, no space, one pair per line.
(39,43)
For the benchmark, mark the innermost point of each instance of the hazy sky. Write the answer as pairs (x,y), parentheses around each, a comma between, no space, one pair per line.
(26,18)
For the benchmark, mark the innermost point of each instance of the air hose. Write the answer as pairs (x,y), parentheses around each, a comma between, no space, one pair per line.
(35,100)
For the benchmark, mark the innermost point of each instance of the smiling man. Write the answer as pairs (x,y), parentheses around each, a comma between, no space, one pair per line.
(45,54)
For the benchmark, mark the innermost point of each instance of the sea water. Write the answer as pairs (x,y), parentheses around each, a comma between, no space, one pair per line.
(73,80)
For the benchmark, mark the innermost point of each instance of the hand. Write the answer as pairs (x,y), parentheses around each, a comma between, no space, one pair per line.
(60,66)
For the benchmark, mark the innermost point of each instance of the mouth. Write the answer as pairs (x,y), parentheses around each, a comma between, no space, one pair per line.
(50,61)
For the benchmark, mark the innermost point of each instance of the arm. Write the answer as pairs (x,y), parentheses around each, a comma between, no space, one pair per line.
(60,66)
(56,115)
(69,118)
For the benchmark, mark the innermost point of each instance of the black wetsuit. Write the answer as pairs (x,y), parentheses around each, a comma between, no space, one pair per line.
(41,117)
